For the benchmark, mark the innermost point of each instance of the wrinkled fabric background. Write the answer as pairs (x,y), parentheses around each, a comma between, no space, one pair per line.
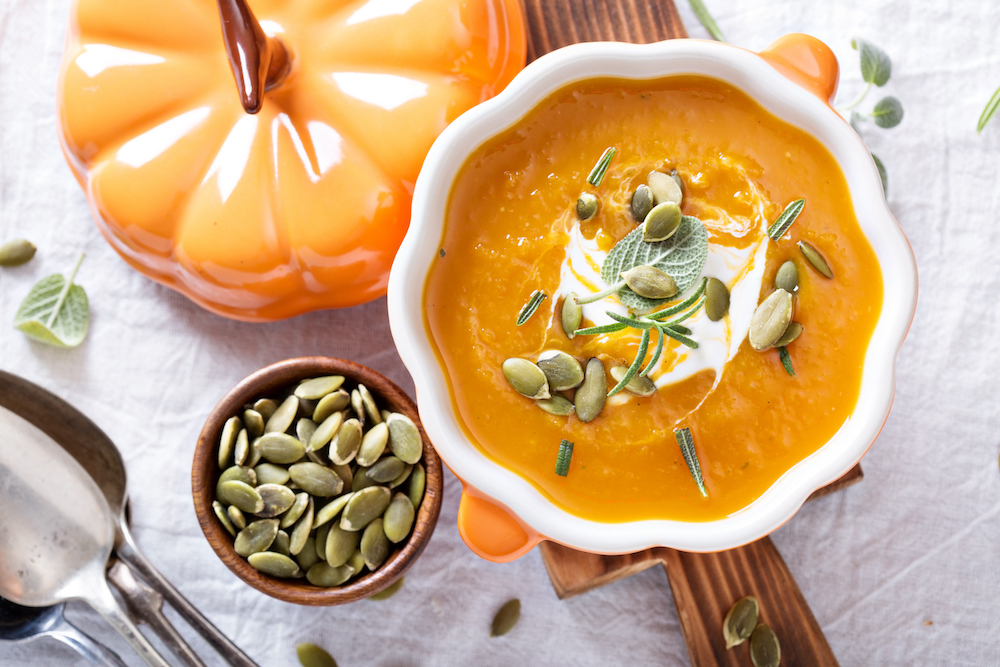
(900,569)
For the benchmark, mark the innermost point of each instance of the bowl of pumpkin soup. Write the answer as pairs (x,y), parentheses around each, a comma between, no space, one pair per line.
(651,295)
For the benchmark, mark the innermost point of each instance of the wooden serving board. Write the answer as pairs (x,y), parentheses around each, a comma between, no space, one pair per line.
(704,585)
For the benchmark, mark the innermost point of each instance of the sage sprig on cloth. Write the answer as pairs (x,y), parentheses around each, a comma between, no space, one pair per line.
(56,311)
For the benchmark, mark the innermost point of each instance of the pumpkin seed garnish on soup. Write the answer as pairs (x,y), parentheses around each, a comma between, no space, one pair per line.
(586,206)
(815,259)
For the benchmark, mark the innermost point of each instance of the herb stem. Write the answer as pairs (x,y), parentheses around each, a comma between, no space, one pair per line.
(656,353)
(861,98)
(991,108)
(701,11)
(604,293)
(636,363)
(64,292)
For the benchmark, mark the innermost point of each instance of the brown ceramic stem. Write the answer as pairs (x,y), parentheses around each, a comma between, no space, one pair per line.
(258,62)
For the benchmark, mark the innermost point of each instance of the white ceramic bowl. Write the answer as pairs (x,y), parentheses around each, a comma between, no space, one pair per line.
(800,103)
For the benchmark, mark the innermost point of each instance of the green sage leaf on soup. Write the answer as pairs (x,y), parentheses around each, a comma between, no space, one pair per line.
(686,441)
(888,112)
(56,311)
(876,67)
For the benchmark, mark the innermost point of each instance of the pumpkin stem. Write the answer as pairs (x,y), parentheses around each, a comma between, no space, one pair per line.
(258,62)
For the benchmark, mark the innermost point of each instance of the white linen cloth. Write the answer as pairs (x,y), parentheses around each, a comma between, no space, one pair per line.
(900,569)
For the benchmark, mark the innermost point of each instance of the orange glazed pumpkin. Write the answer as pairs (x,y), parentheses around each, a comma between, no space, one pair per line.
(297,206)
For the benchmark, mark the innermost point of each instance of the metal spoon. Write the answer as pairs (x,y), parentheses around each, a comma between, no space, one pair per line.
(56,530)
(95,451)
(23,624)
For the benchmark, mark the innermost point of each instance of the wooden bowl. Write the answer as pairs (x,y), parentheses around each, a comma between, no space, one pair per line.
(271,381)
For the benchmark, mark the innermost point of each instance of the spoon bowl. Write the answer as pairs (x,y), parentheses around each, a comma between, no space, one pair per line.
(24,624)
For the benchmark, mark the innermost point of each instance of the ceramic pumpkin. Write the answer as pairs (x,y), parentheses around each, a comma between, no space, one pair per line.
(295,205)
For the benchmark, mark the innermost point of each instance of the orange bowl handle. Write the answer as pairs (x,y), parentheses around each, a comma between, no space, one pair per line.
(491,531)
(806,61)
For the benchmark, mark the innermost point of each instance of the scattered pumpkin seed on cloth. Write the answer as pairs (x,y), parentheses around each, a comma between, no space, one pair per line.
(319,484)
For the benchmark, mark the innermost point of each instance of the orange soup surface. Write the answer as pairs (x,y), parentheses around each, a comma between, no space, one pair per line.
(510,220)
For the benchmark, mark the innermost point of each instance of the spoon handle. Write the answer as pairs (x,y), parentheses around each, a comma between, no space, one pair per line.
(128,552)
(105,603)
(95,652)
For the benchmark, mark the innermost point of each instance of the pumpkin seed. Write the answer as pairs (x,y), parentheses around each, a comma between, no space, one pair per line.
(283,416)
(770,320)
(506,618)
(815,259)
(562,371)
(740,621)
(268,473)
(265,407)
(242,495)
(678,180)
(277,500)
(223,517)
(311,655)
(274,564)
(279,448)
(236,516)
(716,299)
(228,440)
(368,403)
(357,561)
(322,534)
(640,386)
(793,331)
(324,576)
(318,458)
(329,404)
(325,431)
(787,277)
(301,531)
(304,430)
(239,474)
(401,477)
(374,544)
(320,387)
(341,545)
(307,557)
(385,414)
(346,443)
(642,202)
(665,188)
(364,506)
(343,472)
(254,458)
(388,591)
(386,469)
(280,544)
(358,406)
(256,537)
(316,480)
(404,438)
(373,444)
(586,206)
(17,252)
(254,423)
(289,518)
(590,397)
(570,315)
(650,282)
(331,509)
(662,222)
(418,481)
(765,651)
(398,518)
(556,405)
(526,378)
(242,449)
(361,480)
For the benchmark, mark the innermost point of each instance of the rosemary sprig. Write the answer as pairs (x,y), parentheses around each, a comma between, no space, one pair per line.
(684,340)
(785,220)
(528,309)
(991,108)
(786,360)
(686,442)
(597,173)
(564,457)
(603,329)
(636,364)
(656,353)
(683,305)
(644,324)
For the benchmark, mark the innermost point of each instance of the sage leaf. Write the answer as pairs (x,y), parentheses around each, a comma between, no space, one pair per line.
(56,311)
(785,220)
(686,442)
(875,64)
(682,257)
(991,108)
(882,174)
(700,11)
(888,112)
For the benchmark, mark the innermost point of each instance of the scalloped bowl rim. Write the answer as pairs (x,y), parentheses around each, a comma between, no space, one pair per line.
(750,73)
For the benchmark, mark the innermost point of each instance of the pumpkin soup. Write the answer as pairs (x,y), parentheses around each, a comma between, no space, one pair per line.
(652,298)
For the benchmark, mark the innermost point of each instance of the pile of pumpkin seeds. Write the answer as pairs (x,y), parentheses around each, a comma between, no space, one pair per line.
(741,624)
(320,483)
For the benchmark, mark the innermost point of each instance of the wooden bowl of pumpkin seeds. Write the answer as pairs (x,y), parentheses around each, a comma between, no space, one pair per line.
(315,482)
